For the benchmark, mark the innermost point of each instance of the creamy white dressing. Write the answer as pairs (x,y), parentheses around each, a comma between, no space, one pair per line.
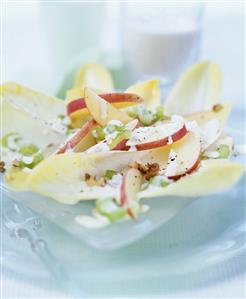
(132,148)
(58,125)
(99,191)
(223,139)
(27,159)
(148,134)
(170,140)
(131,125)
(92,222)
(66,121)
(116,181)
(210,131)
(178,119)
(99,147)
(111,136)
(211,154)
(172,164)
(115,122)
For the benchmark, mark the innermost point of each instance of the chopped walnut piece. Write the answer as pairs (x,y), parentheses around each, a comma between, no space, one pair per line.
(148,170)
(153,170)
(2,166)
(101,182)
(16,163)
(92,181)
(87,176)
(217,107)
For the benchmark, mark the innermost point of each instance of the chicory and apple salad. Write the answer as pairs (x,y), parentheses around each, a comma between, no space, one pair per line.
(118,147)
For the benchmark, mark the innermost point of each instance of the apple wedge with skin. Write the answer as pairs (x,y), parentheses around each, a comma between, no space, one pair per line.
(170,131)
(131,185)
(119,100)
(82,140)
(185,155)
(102,111)
(122,139)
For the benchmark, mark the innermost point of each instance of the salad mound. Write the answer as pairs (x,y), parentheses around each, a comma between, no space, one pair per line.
(118,147)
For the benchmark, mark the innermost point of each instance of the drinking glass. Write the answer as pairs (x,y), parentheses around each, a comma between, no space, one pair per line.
(159,39)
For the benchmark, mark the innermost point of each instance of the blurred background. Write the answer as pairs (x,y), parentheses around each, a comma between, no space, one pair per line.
(44,42)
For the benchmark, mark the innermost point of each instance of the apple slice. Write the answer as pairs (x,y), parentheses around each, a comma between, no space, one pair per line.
(184,157)
(119,144)
(131,185)
(102,111)
(82,140)
(145,138)
(119,100)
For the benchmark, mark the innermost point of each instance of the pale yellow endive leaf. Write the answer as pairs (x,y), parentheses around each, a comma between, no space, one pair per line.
(214,176)
(149,91)
(17,179)
(196,90)
(35,103)
(94,76)
(29,113)
(204,116)
(61,177)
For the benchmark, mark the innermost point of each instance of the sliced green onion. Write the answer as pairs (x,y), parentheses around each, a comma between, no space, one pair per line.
(28,150)
(132,112)
(36,160)
(120,137)
(159,113)
(109,208)
(98,133)
(224,151)
(5,139)
(111,127)
(146,117)
(61,116)
(109,174)
(158,181)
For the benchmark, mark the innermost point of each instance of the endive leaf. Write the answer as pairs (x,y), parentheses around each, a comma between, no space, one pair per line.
(94,76)
(213,176)
(17,179)
(30,129)
(149,91)
(35,103)
(221,114)
(196,90)
(62,176)
(27,113)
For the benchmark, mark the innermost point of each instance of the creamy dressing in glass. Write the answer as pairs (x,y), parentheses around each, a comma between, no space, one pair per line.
(160,47)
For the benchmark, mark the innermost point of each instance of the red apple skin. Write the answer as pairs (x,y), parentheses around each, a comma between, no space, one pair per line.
(162,142)
(87,128)
(124,201)
(121,146)
(188,171)
(109,97)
